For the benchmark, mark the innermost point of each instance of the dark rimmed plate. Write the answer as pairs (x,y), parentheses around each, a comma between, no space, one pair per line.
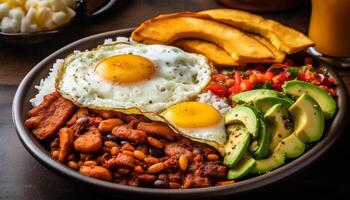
(26,91)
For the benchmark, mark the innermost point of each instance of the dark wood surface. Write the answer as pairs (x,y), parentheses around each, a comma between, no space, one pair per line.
(22,177)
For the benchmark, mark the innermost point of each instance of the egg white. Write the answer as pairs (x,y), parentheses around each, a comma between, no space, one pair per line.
(180,77)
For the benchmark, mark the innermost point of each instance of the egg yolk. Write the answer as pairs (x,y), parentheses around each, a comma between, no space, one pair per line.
(192,115)
(125,68)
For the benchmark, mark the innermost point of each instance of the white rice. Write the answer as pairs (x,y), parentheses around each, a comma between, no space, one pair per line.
(47,85)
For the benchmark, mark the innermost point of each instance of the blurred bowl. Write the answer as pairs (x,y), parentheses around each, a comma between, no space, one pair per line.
(84,11)
(262,5)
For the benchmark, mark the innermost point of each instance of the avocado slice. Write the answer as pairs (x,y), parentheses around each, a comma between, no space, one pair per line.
(243,168)
(259,147)
(245,115)
(237,144)
(275,160)
(253,95)
(308,118)
(326,101)
(263,104)
(289,147)
(280,124)
(291,151)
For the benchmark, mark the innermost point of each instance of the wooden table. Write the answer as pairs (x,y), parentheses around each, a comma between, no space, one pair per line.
(22,177)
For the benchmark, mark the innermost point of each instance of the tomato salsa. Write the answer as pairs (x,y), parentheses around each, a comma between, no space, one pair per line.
(228,82)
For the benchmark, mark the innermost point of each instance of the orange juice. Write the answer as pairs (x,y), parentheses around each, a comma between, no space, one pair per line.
(330,27)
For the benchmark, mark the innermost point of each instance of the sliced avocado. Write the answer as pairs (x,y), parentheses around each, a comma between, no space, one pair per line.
(252,95)
(266,103)
(326,101)
(245,115)
(275,160)
(291,151)
(280,124)
(236,145)
(259,148)
(289,147)
(308,118)
(243,168)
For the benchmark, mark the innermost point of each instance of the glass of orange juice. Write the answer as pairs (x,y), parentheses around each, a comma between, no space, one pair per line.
(330,30)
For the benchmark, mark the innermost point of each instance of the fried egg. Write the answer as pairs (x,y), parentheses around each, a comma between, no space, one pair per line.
(134,78)
(198,121)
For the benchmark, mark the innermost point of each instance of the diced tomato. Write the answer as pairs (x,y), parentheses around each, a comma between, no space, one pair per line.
(269,76)
(227,85)
(229,82)
(309,76)
(246,85)
(234,90)
(218,89)
(301,76)
(219,77)
(238,78)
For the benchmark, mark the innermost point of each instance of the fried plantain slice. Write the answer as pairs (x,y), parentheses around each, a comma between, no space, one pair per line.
(165,29)
(279,56)
(216,54)
(282,37)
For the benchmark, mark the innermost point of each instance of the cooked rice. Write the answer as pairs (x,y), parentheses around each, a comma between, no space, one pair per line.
(46,85)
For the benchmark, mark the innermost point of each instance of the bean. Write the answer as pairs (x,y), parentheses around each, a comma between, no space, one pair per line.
(183,162)
(129,153)
(212,157)
(89,162)
(117,175)
(155,143)
(174,185)
(108,124)
(161,184)
(155,152)
(110,144)
(106,149)
(146,178)
(151,160)
(71,157)
(123,142)
(163,177)
(54,144)
(155,168)
(123,171)
(114,151)
(96,172)
(80,163)
(138,169)
(73,165)
(128,147)
(82,112)
(111,137)
(139,155)
(55,154)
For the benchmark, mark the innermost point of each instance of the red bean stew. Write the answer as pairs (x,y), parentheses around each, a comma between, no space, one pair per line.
(124,149)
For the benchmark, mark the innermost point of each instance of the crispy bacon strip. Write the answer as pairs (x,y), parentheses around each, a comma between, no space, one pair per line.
(49,116)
